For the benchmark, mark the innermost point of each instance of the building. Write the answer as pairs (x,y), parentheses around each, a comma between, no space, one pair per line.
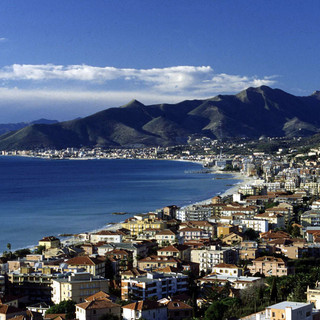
(177,310)
(248,250)
(77,286)
(259,225)
(139,223)
(49,242)
(313,295)
(288,310)
(95,266)
(165,237)
(180,251)
(146,309)
(155,262)
(236,282)
(96,308)
(154,284)
(106,236)
(211,256)
(227,269)
(310,218)
(269,266)
(193,234)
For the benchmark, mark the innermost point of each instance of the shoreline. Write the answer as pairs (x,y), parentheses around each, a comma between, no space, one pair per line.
(112,226)
(244,180)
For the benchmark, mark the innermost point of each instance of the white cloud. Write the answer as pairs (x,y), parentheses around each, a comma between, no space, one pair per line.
(3,39)
(198,79)
(64,92)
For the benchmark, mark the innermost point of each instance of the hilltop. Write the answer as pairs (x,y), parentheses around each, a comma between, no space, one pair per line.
(252,113)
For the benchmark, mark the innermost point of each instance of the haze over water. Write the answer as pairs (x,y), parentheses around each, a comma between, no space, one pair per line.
(44,197)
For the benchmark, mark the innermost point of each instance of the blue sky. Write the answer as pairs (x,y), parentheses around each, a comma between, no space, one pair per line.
(63,59)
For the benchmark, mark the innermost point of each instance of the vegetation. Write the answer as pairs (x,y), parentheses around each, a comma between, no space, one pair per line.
(67,306)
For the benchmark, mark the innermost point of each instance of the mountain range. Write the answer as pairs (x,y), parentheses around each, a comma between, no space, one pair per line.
(252,113)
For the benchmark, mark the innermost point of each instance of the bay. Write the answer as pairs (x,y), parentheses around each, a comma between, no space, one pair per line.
(41,197)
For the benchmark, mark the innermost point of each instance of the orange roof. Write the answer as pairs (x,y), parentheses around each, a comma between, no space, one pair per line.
(98,295)
(84,260)
(225,265)
(178,305)
(144,305)
(101,303)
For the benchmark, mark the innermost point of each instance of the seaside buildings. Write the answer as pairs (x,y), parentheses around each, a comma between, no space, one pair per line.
(206,248)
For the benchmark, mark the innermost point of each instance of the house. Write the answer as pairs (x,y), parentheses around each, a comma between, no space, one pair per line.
(193,234)
(177,310)
(49,242)
(269,266)
(145,309)
(95,266)
(154,285)
(132,273)
(77,286)
(107,236)
(165,237)
(260,225)
(275,220)
(7,312)
(123,257)
(232,238)
(139,223)
(224,230)
(227,269)
(236,282)
(288,310)
(154,262)
(212,255)
(248,250)
(180,251)
(94,309)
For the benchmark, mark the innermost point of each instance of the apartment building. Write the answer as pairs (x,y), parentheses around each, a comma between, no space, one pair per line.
(154,285)
(210,256)
(77,286)
(269,266)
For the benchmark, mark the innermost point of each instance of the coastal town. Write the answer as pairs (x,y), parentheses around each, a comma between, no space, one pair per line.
(252,252)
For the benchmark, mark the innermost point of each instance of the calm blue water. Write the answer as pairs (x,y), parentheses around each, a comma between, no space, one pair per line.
(44,197)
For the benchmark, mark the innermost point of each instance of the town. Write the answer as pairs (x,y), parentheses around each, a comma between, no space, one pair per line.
(251,253)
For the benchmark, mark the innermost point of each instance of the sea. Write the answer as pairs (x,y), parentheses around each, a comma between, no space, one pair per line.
(40,197)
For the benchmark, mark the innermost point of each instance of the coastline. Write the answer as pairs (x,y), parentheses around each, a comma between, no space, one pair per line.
(116,225)
(245,180)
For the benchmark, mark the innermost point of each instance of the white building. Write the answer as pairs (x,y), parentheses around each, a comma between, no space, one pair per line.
(106,236)
(288,310)
(154,284)
(148,310)
(211,256)
(77,286)
(255,224)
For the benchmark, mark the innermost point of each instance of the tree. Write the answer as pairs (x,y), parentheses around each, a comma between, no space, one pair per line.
(215,311)
(21,253)
(273,290)
(66,306)
(39,249)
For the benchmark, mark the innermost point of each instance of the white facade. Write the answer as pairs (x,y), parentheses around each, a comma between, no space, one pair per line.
(151,314)
(109,238)
(255,224)
(211,256)
(77,286)
(162,285)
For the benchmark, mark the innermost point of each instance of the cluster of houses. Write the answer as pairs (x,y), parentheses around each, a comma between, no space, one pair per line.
(144,269)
